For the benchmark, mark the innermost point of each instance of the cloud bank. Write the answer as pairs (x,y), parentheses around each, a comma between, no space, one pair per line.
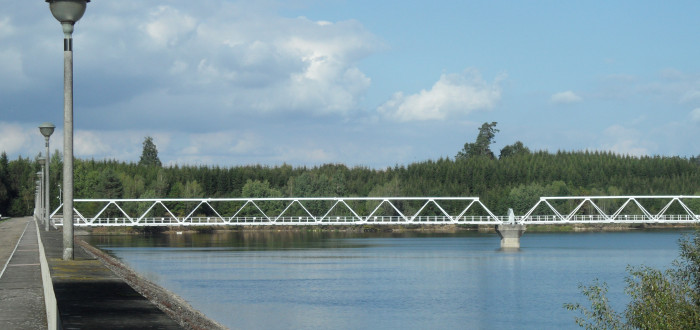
(452,95)
(149,60)
(567,97)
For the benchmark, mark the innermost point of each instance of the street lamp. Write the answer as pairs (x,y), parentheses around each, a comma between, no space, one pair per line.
(67,12)
(37,200)
(46,130)
(40,187)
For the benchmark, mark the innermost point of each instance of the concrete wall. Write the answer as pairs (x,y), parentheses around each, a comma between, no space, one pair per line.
(52,317)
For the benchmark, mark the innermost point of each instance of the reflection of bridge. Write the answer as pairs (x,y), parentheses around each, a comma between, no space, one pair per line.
(378,211)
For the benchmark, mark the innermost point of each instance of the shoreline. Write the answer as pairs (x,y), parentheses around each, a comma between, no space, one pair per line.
(173,305)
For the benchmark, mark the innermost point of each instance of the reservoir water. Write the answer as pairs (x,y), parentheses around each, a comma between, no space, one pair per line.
(337,280)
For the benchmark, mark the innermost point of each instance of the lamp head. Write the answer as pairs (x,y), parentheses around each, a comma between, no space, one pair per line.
(67,12)
(41,160)
(46,129)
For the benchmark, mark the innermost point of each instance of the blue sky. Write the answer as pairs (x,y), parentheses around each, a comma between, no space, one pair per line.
(370,83)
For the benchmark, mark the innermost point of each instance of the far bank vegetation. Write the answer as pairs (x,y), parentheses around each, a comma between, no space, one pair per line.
(515,178)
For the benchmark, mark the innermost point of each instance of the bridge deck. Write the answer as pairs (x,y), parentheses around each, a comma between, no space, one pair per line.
(349,220)
(376,211)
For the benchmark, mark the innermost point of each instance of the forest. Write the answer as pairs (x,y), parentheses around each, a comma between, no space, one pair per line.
(515,178)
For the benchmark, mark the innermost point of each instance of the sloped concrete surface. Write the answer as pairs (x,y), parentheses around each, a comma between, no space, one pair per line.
(90,296)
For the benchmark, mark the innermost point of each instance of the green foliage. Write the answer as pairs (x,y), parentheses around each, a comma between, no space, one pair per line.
(515,149)
(658,299)
(600,315)
(108,185)
(523,197)
(514,180)
(259,189)
(482,146)
(149,155)
(5,197)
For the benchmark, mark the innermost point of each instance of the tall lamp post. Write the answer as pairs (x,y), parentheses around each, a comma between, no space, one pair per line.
(67,12)
(46,130)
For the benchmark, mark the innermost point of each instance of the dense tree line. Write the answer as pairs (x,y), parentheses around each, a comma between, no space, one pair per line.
(515,179)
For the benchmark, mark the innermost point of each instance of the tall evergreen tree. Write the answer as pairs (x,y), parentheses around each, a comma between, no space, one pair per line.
(482,145)
(4,184)
(109,185)
(149,155)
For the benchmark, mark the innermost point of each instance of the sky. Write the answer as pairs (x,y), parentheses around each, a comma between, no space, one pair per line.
(361,83)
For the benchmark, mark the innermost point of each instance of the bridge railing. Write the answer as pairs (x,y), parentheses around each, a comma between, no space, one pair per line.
(279,211)
(616,209)
(553,219)
(376,210)
(284,221)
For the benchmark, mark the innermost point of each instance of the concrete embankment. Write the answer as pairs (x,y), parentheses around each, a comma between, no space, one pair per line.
(174,306)
(39,290)
(97,291)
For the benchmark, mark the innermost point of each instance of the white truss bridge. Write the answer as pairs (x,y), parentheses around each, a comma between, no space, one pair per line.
(376,211)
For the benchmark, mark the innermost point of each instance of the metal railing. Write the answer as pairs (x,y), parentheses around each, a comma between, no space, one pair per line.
(279,211)
(374,211)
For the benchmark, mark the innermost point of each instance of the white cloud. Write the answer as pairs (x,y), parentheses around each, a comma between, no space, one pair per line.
(691,96)
(695,115)
(453,94)
(240,61)
(311,155)
(12,70)
(6,28)
(223,142)
(89,143)
(624,141)
(14,137)
(167,26)
(567,97)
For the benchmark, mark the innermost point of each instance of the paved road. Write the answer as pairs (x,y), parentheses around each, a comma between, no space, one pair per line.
(21,292)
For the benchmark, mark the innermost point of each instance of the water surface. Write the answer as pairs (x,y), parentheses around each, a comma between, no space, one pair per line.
(323,280)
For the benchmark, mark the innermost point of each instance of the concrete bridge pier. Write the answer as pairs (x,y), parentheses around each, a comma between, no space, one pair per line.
(510,233)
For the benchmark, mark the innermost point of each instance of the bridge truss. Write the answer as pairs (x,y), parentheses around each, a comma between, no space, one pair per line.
(279,211)
(614,209)
(376,211)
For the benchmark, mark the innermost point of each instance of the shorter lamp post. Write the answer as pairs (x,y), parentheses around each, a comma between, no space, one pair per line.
(37,199)
(40,185)
(46,130)
(42,161)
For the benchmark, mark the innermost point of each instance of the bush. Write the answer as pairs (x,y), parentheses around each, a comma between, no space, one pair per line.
(658,299)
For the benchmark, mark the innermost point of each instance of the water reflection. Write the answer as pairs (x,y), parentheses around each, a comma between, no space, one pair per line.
(347,280)
(261,240)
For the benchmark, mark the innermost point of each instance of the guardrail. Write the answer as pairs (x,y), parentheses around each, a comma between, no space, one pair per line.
(433,220)
(373,210)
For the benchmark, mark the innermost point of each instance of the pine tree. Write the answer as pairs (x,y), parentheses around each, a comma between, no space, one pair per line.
(4,182)
(482,145)
(149,156)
